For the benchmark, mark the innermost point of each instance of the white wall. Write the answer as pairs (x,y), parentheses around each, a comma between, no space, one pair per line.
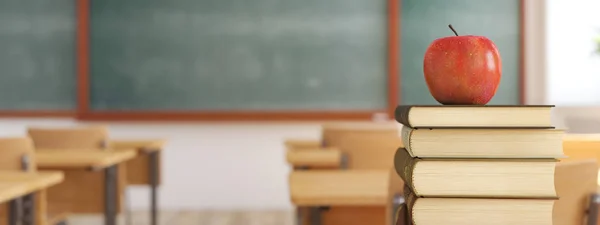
(242,165)
(573,71)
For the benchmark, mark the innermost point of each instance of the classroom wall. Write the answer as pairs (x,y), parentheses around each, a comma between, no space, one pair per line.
(242,165)
(208,165)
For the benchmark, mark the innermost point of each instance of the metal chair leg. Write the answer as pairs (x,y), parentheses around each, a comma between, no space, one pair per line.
(110,195)
(593,209)
(13,212)
(28,201)
(299,216)
(28,209)
(153,169)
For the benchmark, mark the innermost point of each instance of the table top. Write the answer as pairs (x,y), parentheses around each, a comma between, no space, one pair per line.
(335,188)
(147,145)
(16,184)
(80,158)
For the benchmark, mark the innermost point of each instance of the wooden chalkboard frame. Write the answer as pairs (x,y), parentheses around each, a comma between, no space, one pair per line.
(84,112)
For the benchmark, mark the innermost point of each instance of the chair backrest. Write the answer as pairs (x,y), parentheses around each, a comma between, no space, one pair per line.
(367,145)
(370,149)
(93,137)
(333,132)
(12,151)
(575,181)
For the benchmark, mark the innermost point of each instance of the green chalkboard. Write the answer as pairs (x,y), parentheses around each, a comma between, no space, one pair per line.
(238,55)
(424,21)
(37,55)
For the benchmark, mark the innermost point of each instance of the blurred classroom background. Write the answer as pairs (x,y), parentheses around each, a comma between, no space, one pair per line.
(225,82)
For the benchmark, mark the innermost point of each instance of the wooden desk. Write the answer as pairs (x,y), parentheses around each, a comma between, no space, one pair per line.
(340,188)
(351,197)
(145,168)
(20,183)
(14,185)
(80,158)
(139,169)
(73,195)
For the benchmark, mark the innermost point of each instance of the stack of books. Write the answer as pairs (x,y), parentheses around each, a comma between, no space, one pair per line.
(484,165)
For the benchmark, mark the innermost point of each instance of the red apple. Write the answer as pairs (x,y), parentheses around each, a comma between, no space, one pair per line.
(462,70)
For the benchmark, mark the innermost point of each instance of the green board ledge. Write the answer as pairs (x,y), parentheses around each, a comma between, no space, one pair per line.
(228,116)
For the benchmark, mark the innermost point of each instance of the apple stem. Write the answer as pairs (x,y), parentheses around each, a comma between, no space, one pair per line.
(452,28)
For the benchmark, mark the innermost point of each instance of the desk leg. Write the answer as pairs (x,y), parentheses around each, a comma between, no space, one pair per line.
(13,212)
(28,209)
(153,172)
(110,195)
(299,216)
(129,220)
(315,215)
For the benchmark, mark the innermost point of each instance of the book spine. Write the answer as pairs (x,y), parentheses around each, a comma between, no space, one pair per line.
(401,114)
(406,137)
(404,165)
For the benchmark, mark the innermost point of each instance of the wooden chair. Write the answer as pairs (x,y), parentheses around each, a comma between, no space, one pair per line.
(18,154)
(581,146)
(93,137)
(576,183)
(329,184)
(332,131)
(300,144)
(372,143)
(316,158)
(81,192)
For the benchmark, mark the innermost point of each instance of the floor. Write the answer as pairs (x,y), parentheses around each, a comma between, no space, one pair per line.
(196,218)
